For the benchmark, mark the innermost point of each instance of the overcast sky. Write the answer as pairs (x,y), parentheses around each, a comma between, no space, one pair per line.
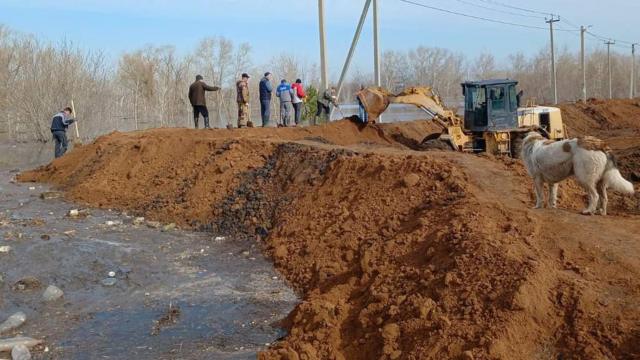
(275,26)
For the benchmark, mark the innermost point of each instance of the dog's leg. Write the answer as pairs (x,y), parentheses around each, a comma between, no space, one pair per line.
(553,195)
(539,184)
(604,199)
(593,200)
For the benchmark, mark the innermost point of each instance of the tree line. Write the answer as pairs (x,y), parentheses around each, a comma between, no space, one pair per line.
(147,88)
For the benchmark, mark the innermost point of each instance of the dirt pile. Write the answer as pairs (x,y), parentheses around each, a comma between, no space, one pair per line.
(616,121)
(397,254)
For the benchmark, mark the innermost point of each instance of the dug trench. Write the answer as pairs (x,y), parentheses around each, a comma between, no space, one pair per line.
(396,254)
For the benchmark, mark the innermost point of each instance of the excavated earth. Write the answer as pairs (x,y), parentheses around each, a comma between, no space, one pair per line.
(396,253)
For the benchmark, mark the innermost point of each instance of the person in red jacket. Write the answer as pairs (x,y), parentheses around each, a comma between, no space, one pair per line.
(298,99)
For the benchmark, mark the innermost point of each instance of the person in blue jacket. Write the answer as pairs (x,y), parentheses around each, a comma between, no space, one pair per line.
(59,125)
(285,94)
(266,89)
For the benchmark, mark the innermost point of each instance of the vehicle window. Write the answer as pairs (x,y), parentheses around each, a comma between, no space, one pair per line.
(497,96)
(513,99)
(475,98)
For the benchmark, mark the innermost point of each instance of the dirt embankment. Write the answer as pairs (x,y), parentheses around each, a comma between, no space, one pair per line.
(616,121)
(397,254)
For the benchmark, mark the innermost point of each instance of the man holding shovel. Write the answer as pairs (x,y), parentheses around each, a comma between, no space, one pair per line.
(59,125)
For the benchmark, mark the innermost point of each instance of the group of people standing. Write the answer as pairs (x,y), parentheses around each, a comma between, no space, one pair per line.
(292,98)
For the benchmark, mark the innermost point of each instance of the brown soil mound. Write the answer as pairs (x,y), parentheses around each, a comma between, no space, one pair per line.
(616,121)
(397,254)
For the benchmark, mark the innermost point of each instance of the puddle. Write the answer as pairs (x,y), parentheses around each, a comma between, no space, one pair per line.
(229,297)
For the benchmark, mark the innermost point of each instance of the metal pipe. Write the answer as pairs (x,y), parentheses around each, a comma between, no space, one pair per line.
(354,43)
(632,91)
(376,46)
(553,61)
(609,43)
(324,72)
(582,64)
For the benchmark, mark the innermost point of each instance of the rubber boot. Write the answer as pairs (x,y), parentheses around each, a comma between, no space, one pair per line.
(195,121)
(206,123)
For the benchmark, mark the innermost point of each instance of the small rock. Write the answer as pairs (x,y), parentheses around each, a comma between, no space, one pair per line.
(32,187)
(73,213)
(153,224)
(5,249)
(138,221)
(20,352)
(45,237)
(109,281)
(411,180)
(48,195)
(14,321)
(168,227)
(219,239)
(27,283)
(70,233)
(113,222)
(52,293)
(112,274)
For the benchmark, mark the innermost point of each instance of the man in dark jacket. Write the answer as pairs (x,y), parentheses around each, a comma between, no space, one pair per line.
(59,125)
(265,98)
(198,100)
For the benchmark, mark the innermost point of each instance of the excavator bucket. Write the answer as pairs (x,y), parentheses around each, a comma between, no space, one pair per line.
(376,100)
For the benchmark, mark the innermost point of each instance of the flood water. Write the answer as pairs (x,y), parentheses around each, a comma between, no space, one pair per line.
(177,294)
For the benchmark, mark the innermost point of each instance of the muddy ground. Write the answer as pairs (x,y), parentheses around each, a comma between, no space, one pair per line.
(177,294)
(397,254)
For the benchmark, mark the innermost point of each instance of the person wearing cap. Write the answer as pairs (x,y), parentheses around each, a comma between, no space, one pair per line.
(298,99)
(266,89)
(59,125)
(285,95)
(242,87)
(198,101)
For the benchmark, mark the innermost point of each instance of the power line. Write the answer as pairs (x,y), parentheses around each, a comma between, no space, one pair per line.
(477,17)
(498,10)
(552,15)
(510,23)
(518,8)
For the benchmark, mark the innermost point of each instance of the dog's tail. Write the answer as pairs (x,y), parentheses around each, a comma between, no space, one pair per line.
(614,179)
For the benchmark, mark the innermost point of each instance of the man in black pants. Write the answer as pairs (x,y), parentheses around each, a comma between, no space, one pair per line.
(59,125)
(198,100)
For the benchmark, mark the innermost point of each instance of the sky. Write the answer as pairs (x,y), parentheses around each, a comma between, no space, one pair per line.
(275,26)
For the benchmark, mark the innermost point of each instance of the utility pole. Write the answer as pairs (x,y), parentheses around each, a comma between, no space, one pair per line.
(582,64)
(324,72)
(554,82)
(632,91)
(352,49)
(609,43)
(376,45)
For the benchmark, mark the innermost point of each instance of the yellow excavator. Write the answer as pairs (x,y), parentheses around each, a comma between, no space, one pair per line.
(493,120)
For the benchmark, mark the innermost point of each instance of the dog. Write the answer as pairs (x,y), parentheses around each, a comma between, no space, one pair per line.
(587,158)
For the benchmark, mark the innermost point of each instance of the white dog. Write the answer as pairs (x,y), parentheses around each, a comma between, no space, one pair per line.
(588,158)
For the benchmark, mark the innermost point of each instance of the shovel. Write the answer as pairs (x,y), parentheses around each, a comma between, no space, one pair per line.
(76,140)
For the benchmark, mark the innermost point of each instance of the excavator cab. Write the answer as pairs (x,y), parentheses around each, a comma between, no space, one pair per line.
(490,105)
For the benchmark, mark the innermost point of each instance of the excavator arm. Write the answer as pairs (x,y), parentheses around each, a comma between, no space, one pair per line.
(376,100)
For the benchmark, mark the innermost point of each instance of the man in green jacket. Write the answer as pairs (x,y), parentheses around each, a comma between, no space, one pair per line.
(198,100)
(327,98)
